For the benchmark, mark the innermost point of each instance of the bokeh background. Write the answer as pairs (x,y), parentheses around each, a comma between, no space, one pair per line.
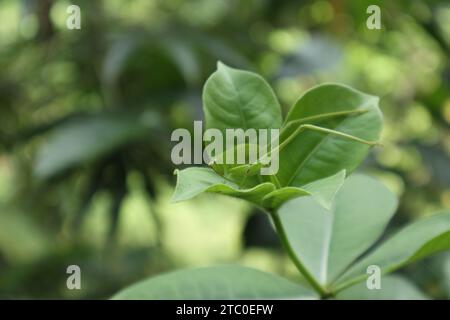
(86,117)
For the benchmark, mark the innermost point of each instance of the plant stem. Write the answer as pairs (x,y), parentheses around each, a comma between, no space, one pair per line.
(283,237)
(275,181)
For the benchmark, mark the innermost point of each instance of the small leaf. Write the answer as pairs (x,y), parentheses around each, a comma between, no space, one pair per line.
(328,241)
(313,155)
(323,191)
(239,99)
(193,181)
(252,169)
(219,282)
(392,288)
(416,241)
(277,197)
(245,175)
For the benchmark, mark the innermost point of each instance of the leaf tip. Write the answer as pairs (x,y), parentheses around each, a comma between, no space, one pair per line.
(222,66)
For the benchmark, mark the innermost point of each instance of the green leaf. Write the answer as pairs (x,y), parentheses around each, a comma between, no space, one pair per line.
(219,282)
(416,241)
(328,241)
(195,180)
(252,169)
(88,138)
(245,175)
(239,99)
(323,191)
(277,197)
(392,288)
(313,155)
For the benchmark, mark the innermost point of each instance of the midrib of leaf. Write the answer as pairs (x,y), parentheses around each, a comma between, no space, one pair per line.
(323,116)
(326,248)
(313,151)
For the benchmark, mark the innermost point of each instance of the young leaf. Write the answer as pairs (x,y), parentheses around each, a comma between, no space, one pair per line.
(239,99)
(220,282)
(416,241)
(193,181)
(392,288)
(328,241)
(277,197)
(312,154)
(323,191)
(245,175)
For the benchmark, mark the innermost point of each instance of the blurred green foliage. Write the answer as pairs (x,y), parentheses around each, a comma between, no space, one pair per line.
(86,117)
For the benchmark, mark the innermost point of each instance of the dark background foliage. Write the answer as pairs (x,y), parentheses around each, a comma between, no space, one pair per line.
(86,117)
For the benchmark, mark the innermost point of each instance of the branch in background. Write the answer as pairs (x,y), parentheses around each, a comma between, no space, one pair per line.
(46,29)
